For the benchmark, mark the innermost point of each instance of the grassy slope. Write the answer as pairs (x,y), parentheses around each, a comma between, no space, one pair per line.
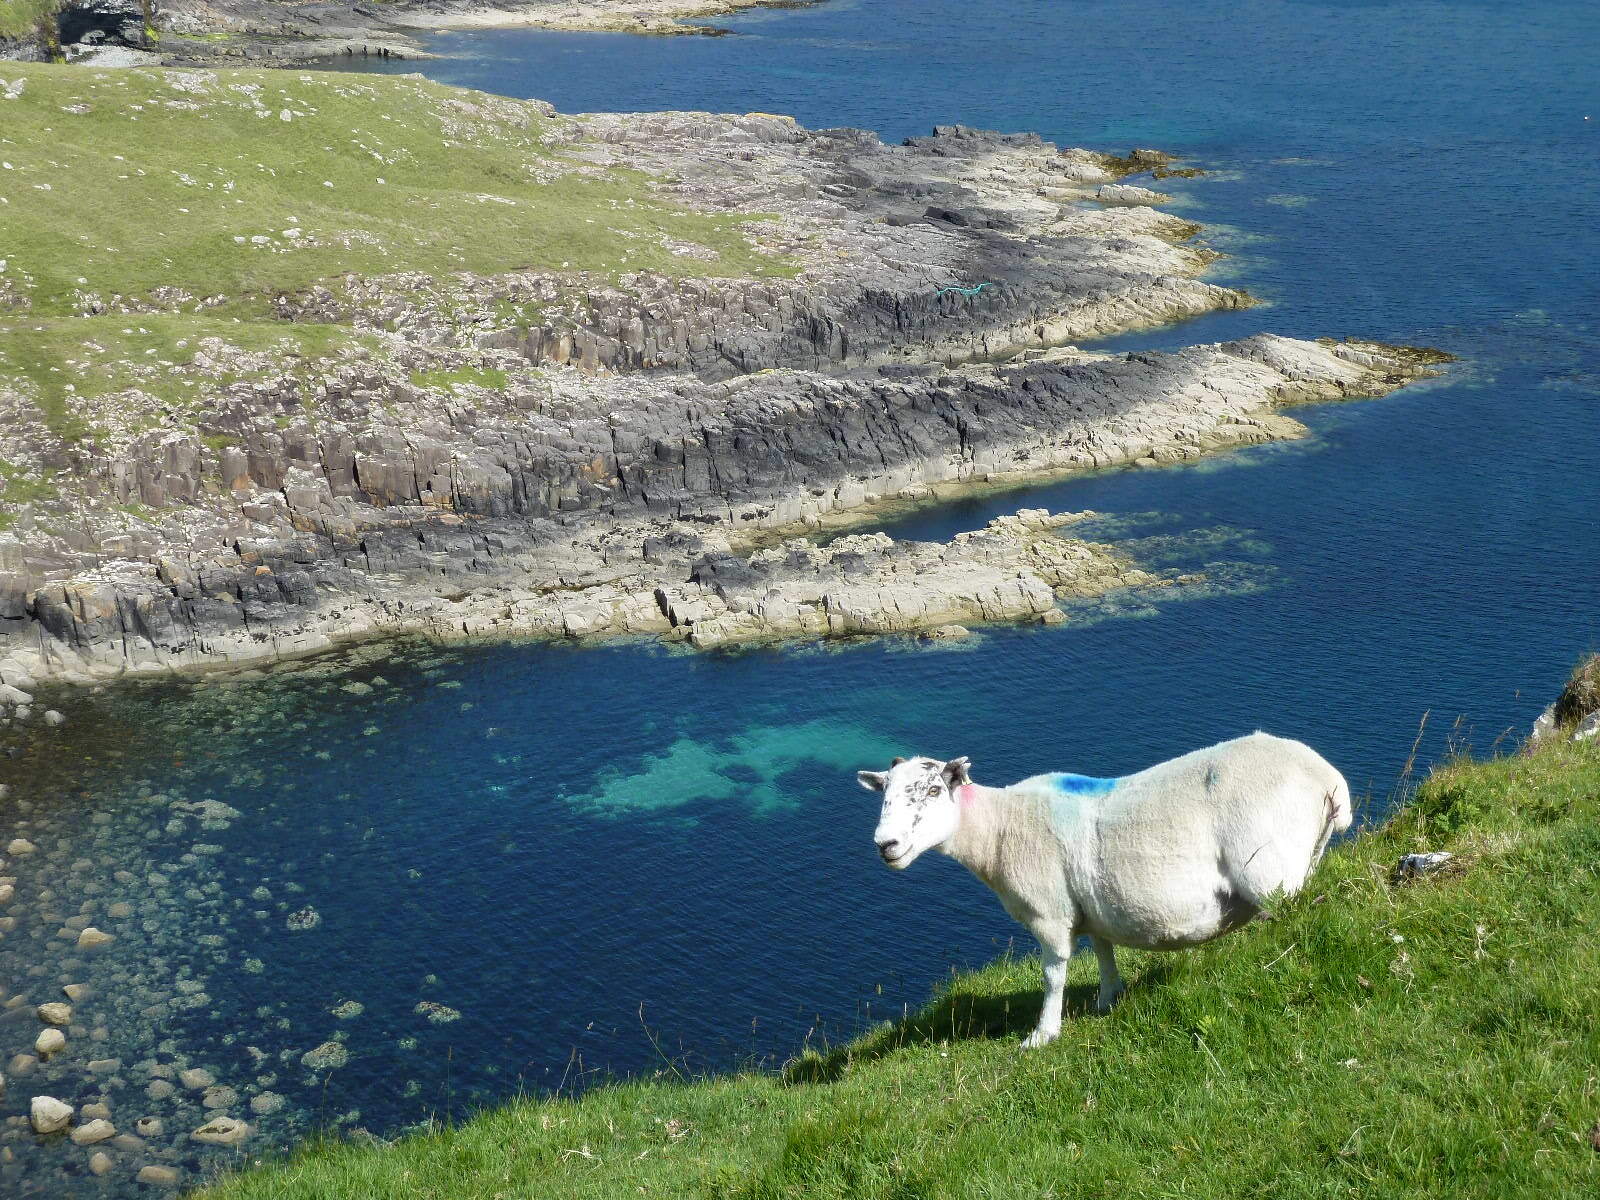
(122,181)
(118,183)
(1433,1039)
(20,18)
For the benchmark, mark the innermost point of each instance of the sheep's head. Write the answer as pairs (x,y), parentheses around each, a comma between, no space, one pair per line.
(920,809)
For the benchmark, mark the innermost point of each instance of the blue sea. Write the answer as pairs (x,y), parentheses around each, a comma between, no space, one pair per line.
(634,859)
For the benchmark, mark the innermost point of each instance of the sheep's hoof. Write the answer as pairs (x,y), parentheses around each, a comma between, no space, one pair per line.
(1039,1037)
(1106,1001)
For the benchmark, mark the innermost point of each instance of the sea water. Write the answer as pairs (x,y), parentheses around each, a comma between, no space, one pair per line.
(455,875)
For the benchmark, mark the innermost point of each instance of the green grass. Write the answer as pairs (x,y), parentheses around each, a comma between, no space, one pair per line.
(69,365)
(21,18)
(122,182)
(1436,1038)
(190,194)
(484,377)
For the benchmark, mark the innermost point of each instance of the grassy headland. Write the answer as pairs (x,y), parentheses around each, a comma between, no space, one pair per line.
(1430,1038)
(194,199)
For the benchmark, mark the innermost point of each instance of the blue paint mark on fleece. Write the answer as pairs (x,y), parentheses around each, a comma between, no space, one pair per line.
(1082,785)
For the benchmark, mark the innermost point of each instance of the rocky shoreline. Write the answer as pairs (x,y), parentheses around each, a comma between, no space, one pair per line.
(282,33)
(554,454)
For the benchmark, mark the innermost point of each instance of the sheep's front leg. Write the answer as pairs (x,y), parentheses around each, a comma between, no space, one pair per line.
(1055,986)
(1111,986)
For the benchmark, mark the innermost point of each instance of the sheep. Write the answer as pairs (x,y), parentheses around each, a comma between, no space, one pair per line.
(1172,856)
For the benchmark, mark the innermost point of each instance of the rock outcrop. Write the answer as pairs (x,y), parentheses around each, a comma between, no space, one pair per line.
(542,452)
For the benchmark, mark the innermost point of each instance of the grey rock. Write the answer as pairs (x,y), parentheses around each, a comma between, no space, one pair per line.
(48,1114)
(90,1132)
(222,1131)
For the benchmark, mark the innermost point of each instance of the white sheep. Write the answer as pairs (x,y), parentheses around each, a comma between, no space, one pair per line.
(1172,856)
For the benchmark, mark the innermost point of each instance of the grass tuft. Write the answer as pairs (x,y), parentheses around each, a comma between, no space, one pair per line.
(1581,696)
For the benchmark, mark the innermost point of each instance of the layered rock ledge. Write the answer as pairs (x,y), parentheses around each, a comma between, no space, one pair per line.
(572,453)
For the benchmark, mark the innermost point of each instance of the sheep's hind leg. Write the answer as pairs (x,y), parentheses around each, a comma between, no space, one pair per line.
(1055,986)
(1111,985)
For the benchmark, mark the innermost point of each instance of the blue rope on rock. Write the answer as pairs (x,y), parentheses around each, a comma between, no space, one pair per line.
(965,291)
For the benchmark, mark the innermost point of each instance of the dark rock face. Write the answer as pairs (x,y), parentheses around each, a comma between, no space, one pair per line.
(98,22)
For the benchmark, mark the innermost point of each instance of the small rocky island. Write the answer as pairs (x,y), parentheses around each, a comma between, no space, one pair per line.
(432,361)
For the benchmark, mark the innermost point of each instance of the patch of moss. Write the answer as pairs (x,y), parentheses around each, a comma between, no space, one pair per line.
(443,380)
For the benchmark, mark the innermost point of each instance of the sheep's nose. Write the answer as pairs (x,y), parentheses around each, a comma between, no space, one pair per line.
(889,847)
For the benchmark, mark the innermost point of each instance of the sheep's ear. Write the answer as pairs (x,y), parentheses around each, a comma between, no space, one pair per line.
(897,760)
(957,771)
(873,781)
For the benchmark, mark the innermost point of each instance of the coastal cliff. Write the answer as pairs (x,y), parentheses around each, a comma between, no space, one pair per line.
(426,360)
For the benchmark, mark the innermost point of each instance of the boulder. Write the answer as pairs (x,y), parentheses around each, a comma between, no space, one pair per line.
(48,1114)
(196,1078)
(221,1131)
(55,1013)
(94,1131)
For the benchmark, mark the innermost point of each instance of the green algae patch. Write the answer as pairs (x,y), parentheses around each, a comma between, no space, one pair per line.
(168,188)
(1375,1037)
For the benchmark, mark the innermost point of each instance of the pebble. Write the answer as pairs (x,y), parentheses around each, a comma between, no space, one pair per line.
(55,1013)
(220,1096)
(120,910)
(20,846)
(196,1078)
(265,1103)
(158,1176)
(159,1089)
(103,1066)
(94,1131)
(90,1112)
(48,1114)
(52,717)
(22,1064)
(92,937)
(76,991)
(221,1131)
(50,1041)
(150,1127)
(100,1162)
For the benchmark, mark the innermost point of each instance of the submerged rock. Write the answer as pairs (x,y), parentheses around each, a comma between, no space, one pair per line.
(98,1130)
(329,1056)
(266,1103)
(196,1078)
(48,1114)
(439,1014)
(50,1041)
(100,1162)
(222,1131)
(55,1013)
(91,938)
(158,1176)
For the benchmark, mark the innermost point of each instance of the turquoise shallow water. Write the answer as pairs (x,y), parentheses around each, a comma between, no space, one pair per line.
(551,842)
